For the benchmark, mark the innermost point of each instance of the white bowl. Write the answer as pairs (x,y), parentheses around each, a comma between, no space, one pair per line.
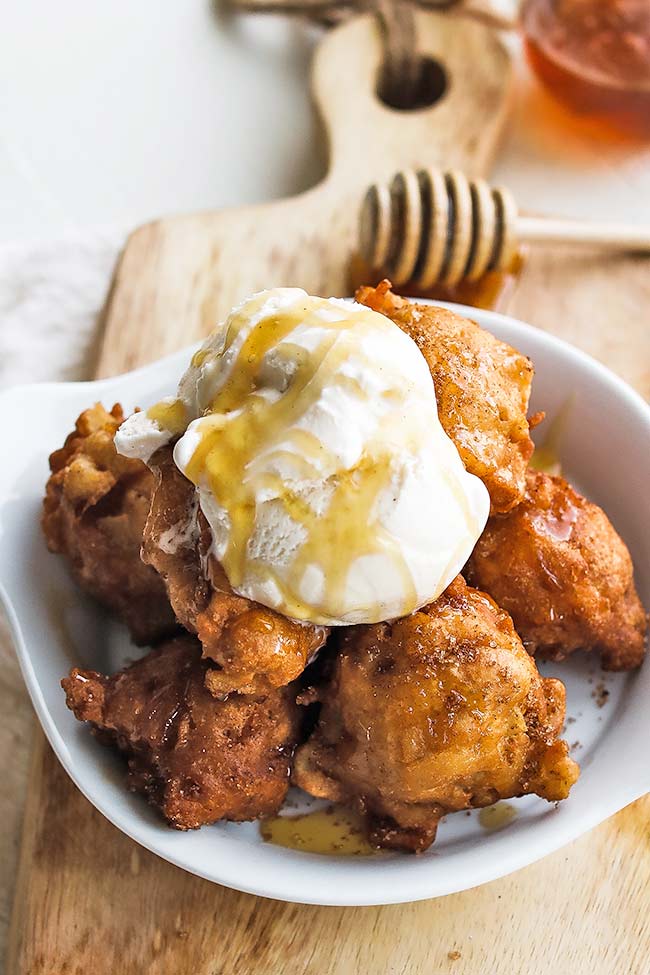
(604,449)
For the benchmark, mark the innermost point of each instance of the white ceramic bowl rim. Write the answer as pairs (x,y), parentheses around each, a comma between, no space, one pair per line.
(272,871)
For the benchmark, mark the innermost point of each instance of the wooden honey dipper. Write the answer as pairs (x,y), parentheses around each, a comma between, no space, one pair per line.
(430,227)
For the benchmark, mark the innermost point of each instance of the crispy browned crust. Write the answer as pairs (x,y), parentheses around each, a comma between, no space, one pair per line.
(482,389)
(440,711)
(195,758)
(95,507)
(557,565)
(255,648)
(171,542)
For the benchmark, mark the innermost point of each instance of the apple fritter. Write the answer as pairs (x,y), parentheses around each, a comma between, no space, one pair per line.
(558,566)
(440,711)
(197,759)
(482,388)
(254,648)
(95,508)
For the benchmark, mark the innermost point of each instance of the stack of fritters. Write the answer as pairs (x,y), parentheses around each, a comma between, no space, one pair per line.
(440,711)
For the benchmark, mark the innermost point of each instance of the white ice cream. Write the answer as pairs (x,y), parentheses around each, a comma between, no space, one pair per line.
(311,431)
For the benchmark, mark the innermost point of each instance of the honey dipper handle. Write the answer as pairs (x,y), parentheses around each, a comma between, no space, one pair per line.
(616,236)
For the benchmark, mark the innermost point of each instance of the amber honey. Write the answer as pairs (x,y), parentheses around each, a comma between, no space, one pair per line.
(491,291)
(594,55)
(333,831)
(497,816)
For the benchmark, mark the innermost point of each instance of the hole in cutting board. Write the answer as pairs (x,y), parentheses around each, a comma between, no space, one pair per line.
(430,86)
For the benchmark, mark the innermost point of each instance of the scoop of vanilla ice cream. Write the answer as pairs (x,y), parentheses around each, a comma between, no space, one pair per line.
(310,429)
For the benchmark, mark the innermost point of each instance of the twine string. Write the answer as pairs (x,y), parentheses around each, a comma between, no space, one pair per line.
(402,68)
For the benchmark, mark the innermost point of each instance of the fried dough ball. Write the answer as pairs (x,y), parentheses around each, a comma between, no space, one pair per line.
(557,565)
(94,512)
(482,389)
(195,758)
(436,712)
(255,648)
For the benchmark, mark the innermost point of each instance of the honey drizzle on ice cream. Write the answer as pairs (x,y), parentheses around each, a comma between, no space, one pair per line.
(232,438)
(169,414)
(309,427)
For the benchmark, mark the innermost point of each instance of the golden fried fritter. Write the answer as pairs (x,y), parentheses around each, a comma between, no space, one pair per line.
(197,759)
(440,711)
(482,389)
(557,565)
(255,648)
(94,512)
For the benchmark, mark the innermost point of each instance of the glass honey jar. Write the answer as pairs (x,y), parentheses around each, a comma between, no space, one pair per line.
(594,55)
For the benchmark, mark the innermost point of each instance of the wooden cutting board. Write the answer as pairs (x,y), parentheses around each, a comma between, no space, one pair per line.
(88,899)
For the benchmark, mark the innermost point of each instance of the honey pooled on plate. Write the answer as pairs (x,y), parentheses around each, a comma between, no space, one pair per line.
(497,816)
(333,831)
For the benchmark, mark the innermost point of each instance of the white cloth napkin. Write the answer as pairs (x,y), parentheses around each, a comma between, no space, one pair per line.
(51,297)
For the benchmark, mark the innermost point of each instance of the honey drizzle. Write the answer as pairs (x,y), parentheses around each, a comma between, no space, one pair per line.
(170,414)
(232,438)
(491,291)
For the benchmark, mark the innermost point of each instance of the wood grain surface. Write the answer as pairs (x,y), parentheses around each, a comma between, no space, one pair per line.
(89,900)
(93,902)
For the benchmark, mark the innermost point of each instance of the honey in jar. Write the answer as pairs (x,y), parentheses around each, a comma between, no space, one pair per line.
(594,55)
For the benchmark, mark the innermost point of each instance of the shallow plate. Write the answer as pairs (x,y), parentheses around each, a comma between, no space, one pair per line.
(604,450)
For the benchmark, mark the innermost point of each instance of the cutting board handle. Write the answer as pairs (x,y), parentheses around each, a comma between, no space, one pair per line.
(179,276)
(367,137)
